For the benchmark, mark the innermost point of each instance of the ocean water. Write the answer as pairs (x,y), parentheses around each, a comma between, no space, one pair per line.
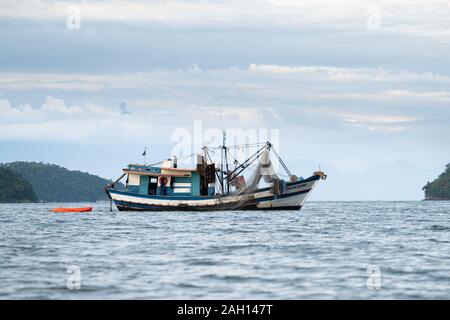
(328,250)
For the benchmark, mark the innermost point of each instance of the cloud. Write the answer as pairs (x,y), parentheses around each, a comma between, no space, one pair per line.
(52,106)
(251,78)
(66,82)
(380,123)
(126,10)
(436,96)
(315,108)
(351,74)
(55,120)
(323,97)
(387,119)
(399,16)
(366,120)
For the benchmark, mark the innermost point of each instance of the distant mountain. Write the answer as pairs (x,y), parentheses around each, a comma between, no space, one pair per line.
(439,189)
(14,188)
(53,183)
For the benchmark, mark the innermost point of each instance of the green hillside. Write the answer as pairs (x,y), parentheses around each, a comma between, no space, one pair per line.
(439,189)
(53,183)
(14,188)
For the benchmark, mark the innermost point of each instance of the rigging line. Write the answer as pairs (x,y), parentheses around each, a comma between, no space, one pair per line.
(112,184)
(189,156)
(284,165)
(239,146)
(243,146)
(250,168)
(235,160)
(282,162)
(154,164)
(212,151)
(249,144)
(239,163)
(247,162)
(160,162)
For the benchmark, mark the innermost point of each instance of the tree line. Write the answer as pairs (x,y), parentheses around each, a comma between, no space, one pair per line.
(49,183)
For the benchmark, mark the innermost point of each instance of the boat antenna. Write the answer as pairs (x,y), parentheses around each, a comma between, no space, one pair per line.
(144,154)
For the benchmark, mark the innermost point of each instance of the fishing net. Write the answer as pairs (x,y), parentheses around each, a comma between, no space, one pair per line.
(264,171)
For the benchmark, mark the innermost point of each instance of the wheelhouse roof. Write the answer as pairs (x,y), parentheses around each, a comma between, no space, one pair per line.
(157,171)
(161,174)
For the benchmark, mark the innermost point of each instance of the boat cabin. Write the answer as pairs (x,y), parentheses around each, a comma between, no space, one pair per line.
(168,180)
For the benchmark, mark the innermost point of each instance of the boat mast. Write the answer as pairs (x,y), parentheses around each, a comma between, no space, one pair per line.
(226,160)
(224,157)
(222,152)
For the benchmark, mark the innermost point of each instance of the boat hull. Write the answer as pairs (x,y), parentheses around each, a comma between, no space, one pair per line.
(292,198)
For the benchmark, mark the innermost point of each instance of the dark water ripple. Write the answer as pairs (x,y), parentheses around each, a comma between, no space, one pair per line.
(321,252)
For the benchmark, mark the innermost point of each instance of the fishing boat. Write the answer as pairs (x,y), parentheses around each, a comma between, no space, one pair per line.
(165,187)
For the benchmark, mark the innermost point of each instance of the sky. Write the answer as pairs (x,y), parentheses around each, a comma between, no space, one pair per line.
(360,89)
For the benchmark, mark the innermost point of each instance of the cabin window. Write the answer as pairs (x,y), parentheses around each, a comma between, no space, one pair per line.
(152,185)
(134,179)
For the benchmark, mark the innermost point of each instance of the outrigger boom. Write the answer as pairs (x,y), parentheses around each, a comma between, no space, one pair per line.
(207,187)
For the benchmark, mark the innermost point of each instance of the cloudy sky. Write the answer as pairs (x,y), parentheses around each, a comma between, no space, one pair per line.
(358,87)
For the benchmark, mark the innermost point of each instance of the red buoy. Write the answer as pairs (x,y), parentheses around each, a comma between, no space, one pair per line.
(84,209)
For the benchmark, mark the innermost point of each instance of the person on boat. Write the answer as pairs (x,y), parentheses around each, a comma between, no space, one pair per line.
(163,182)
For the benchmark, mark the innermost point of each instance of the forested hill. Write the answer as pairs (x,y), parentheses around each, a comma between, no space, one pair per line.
(14,188)
(53,183)
(439,189)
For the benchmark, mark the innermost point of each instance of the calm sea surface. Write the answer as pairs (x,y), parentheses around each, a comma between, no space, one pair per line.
(328,250)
